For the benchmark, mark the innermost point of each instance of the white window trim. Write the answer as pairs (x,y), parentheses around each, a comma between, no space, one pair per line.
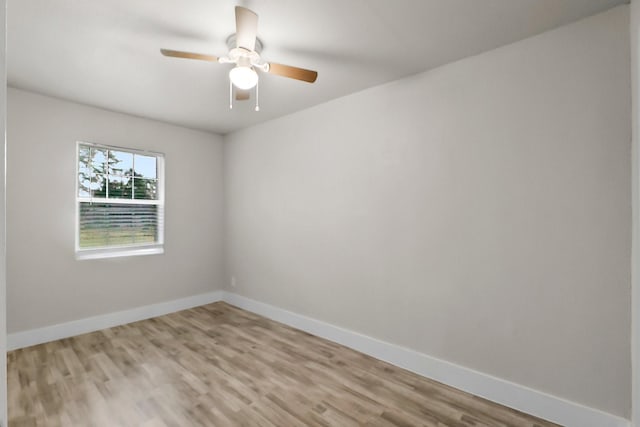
(126,250)
(119,251)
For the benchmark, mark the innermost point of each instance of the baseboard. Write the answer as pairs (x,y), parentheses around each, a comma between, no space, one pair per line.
(507,393)
(91,324)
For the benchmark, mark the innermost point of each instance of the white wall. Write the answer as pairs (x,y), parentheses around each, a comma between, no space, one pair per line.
(635,301)
(46,284)
(478,212)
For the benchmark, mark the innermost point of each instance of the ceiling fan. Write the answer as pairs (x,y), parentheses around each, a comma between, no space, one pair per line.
(244,52)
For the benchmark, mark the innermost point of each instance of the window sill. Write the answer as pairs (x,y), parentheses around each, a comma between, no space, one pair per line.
(118,252)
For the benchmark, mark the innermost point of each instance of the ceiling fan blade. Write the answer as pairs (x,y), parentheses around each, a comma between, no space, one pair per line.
(293,72)
(188,55)
(246,28)
(242,94)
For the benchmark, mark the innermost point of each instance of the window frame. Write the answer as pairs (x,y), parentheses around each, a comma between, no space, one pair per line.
(121,250)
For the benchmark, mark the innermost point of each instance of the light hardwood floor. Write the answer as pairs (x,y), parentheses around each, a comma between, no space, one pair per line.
(217,365)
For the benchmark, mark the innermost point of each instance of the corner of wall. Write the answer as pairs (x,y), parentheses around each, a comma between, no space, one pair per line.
(225,233)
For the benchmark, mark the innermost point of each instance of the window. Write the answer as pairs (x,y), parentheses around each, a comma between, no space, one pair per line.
(120,202)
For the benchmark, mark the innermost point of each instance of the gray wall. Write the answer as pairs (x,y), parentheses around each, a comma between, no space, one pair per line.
(479,212)
(46,284)
(635,80)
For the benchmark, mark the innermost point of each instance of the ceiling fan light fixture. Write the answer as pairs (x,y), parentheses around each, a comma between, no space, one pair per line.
(243,77)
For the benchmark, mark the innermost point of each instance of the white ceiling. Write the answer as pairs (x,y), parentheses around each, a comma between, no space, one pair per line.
(106,53)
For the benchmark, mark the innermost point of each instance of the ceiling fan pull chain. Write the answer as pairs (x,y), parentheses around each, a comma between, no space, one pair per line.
(257,105)
(230,95)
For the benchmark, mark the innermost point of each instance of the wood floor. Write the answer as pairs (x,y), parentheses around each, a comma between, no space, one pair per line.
(218,365)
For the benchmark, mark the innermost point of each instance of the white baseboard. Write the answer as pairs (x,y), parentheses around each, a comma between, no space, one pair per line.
(507,393)
(91,324)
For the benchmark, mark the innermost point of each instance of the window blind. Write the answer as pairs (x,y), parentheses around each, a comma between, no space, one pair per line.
(108,224)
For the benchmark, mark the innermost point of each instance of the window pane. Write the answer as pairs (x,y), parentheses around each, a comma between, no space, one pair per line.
(146,166)
(98,186)
(145,189)
(120,163)
(120,187)
(98,160)
(84,186)
(109,224)
(84,161)
(85,170)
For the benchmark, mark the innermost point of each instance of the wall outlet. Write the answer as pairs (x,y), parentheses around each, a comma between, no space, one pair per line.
(233,281)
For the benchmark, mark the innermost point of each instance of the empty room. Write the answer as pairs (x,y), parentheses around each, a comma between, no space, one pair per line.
(320,213)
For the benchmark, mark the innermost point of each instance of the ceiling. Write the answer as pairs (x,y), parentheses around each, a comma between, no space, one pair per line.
(106,53)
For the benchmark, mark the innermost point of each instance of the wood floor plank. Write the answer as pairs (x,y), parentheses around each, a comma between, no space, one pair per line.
(218,365)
